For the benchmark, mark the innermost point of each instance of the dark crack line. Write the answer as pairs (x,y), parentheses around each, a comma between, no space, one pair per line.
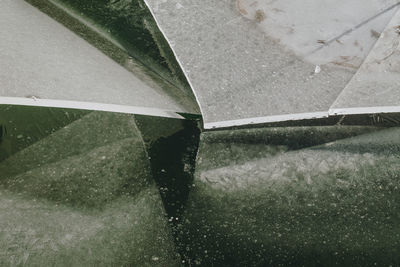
(355,28)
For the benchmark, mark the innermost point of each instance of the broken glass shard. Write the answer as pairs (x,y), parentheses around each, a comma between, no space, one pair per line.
(265,61)
(44,64)
(375,87)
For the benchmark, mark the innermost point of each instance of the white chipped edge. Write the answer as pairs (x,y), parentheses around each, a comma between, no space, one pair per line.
(302,116)
(267,119)
(174,52)
(33,101)
(363,110)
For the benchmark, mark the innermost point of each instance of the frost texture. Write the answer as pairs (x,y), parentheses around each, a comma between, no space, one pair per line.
(334,203)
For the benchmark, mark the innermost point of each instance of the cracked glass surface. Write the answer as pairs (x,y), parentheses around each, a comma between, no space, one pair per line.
(375,87)
(44,63)
(263,61)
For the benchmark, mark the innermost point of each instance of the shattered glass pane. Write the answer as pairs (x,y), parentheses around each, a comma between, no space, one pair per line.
(375,87)
(45,64)
(264,61)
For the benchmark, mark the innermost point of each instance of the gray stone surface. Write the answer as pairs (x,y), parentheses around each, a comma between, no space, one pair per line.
(264,61)
(285,205)
(375,87)
(42,63)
